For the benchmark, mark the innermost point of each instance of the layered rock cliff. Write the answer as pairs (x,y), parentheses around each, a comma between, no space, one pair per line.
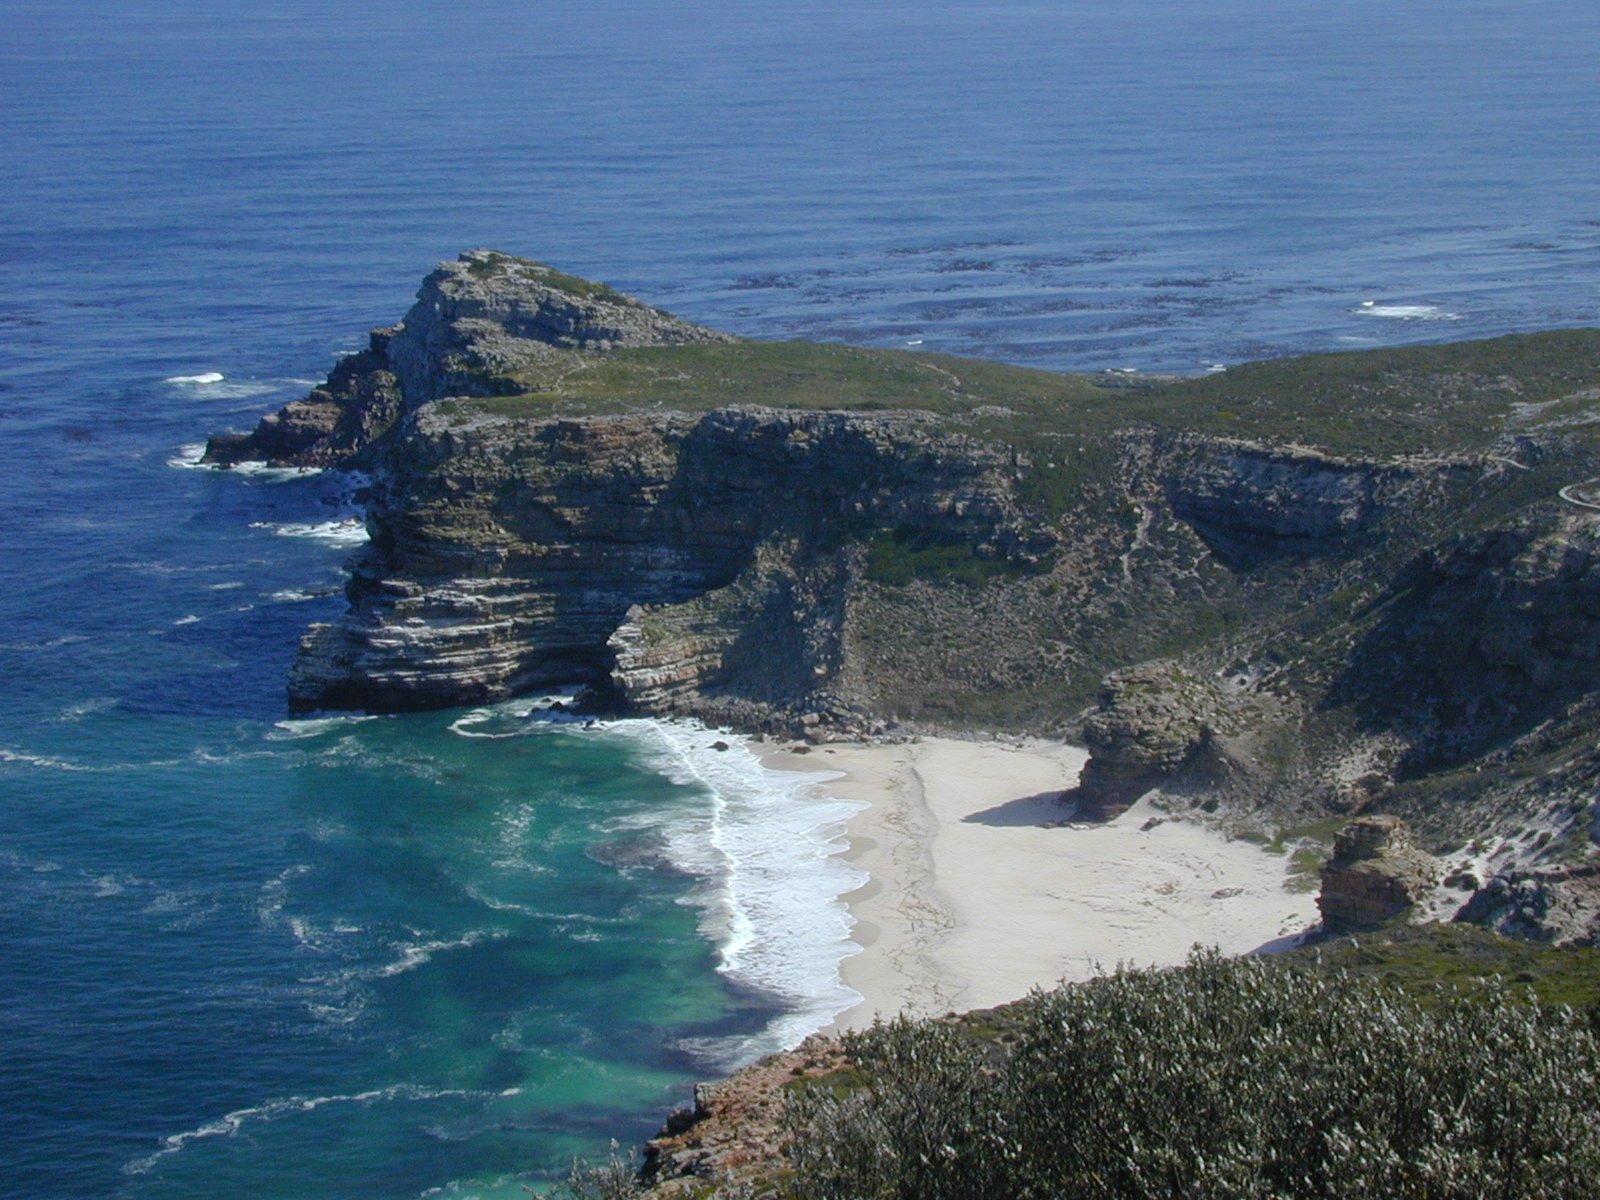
(1392,609)
(686,559)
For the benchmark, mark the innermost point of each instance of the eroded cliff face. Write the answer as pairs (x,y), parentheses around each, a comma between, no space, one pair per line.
(691,561)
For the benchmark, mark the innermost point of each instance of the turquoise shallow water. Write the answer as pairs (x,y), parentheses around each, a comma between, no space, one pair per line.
(388,958)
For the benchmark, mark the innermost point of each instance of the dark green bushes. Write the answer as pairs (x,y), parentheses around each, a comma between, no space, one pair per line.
(895,559)
(1222,1080)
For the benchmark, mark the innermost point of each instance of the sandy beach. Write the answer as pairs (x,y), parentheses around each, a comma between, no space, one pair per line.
(978,893)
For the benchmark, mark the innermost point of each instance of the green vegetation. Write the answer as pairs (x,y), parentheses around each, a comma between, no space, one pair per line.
(1451,397)
(1421,958)
(895,559)
(1223,1079)
(1434,1061)
(1445,398)
(805,375)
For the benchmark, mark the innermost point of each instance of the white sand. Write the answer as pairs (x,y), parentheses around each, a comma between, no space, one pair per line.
(972,901)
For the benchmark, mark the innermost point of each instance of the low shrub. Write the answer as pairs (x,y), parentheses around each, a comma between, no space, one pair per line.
(1222,1080)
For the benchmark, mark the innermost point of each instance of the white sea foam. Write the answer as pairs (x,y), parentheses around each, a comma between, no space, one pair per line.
(191,457)
(292,596)
(231,1123)
(191,619)
(414,954)
(23,758)
(54,643)
(1404,312)
(513,718)
(188,458)
(289,731)
(166,902)
(275,894)
(344,532)
(214,385)
(267,473)
(86,708)
(765,848)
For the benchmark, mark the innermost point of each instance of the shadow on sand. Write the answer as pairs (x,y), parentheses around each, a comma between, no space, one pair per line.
(1046,807)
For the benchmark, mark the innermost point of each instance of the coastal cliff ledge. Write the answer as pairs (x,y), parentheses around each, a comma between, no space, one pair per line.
(1329,584)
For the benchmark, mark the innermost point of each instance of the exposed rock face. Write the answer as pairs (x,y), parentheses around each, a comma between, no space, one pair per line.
(1245,498)
(680,556)
(475,323)
(1553,904)
(1489,634)
(1375,876)
(734,1134)
(1154,722)
(361,399)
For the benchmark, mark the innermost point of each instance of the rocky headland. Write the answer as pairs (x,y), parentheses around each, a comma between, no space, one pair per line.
(1295,590)
(1344,605)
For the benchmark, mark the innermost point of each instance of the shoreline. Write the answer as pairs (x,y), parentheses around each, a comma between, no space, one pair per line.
(980,887)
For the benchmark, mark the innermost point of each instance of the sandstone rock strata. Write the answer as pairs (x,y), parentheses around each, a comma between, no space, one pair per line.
(1376,875)
(678,556)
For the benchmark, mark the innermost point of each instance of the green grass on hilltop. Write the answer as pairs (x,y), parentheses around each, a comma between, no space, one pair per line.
(1453,397)
(803,375)
(1447,398)
(493,264)
(1418,958)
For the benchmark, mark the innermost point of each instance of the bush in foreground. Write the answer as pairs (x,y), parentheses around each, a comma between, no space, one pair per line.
(1222,1080)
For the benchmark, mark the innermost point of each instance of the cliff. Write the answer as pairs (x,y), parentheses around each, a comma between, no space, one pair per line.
(1317,586)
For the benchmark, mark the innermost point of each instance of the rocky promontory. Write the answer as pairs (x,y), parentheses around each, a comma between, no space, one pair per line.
(1327,585)
(476,321)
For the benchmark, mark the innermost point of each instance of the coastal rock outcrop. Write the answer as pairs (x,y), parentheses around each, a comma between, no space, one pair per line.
(1376,875)
(1352,581)
(1554,903)
(1154,723)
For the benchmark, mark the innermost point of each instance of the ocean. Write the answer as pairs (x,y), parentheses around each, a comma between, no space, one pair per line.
(441,954)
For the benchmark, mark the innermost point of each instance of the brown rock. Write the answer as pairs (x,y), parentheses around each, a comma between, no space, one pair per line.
(1153,721)
(1376,875)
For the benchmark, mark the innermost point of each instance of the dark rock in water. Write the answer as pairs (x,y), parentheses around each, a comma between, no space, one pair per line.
(361,399)
(719,745)
(1375,877)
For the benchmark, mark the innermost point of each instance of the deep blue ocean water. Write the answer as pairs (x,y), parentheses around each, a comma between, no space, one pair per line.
(440,954)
